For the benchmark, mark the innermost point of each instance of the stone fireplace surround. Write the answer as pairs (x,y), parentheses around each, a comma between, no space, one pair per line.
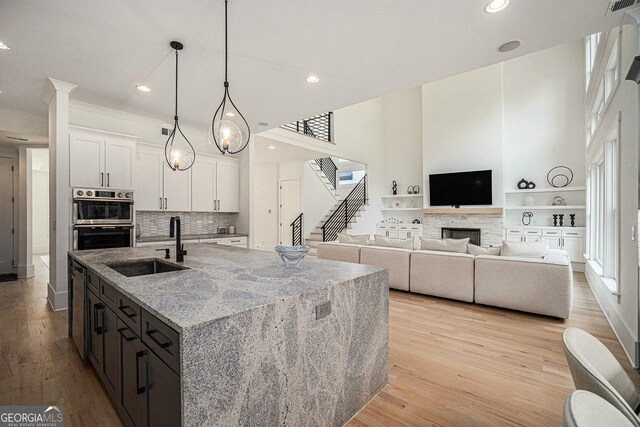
(490,224)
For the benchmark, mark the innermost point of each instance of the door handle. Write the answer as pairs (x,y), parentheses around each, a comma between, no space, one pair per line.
(165,344)
(127,338)
(139,356)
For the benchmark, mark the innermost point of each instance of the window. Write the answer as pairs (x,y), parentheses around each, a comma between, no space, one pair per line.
(597,110)
(612,73)
(602,217)
(591,48)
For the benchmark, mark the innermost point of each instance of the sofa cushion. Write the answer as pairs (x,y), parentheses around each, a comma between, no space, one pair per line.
(393,242)
(346,252)
(442,274)
(444,245)
(396,260)
(537,249)
(361,239)
(479,250)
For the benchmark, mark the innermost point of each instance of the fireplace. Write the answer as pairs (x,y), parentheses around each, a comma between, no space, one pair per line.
(462,233)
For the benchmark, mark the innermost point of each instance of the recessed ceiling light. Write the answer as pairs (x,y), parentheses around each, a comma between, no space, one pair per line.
(496,6)
(143,88)
(263,124)
(312,78)
(4,46)
(272,147)
(509,46)
(230,114)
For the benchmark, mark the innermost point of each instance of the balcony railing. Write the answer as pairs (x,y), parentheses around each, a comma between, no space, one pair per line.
(319,127)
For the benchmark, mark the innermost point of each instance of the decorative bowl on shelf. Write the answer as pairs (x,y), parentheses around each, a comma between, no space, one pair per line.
(292,255)
(396,204)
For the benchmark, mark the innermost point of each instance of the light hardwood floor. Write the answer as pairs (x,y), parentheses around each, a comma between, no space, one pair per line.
(450,363)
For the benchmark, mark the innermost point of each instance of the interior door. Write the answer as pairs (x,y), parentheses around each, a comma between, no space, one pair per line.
(228,187)
(177,189)
(120,156)
(148,178)
(6,213)
(290,208)
(203,175)
(86,161)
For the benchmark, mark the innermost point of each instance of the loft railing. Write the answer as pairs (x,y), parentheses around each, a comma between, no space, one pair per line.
(329,168)
(339,220)
(297,231)
(319,127)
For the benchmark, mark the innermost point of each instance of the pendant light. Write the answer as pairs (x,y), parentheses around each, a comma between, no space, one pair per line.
(229,129)
(179,153)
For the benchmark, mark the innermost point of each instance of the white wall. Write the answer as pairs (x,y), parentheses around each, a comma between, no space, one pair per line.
(40,200)
(462,126)
(622,310)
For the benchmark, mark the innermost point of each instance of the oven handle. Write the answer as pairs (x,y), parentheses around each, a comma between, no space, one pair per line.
(102,199)
(75,239)
(128,225)
(75,212)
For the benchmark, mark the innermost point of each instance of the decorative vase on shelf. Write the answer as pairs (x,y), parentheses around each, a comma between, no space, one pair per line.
(529,201)
(561,216)
(555,220)
(572,217)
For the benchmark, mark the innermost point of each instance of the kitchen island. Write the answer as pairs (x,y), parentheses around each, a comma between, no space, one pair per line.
(232,338)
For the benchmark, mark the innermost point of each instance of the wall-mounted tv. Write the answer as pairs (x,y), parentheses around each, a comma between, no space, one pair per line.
(460,188)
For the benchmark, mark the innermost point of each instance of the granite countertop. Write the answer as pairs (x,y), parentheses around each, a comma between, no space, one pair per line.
(220,280)
(144,239)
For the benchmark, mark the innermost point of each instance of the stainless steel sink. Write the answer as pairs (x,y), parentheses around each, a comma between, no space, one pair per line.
(144,267)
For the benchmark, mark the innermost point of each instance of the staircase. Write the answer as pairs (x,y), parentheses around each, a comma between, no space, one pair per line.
(340,217)
(327,171)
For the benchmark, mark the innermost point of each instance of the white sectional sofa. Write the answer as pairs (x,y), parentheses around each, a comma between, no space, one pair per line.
(535,285)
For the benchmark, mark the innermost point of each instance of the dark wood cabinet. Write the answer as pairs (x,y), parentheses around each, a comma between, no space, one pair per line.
(110,350)
(95,345)
(163,389)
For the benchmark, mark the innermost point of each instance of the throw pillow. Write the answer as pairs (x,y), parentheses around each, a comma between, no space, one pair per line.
(392,242)
(479,250)
(536,249)
(361,239)
(444,245)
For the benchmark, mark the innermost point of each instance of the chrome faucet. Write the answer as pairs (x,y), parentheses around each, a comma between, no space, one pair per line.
(174,229)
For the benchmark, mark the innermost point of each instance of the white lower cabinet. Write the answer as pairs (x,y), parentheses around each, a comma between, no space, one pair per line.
(399,230)
(570,240)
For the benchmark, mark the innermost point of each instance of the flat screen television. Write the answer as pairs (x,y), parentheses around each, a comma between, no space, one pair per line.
(460,188)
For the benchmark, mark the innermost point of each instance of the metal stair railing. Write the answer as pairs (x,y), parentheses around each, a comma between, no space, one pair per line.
(297,231)
(339,220)
(329,169)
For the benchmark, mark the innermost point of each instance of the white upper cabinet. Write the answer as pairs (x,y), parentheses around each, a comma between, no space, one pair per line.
(177,189)
(101,160)
(148,195)
(203,178)
(227,187)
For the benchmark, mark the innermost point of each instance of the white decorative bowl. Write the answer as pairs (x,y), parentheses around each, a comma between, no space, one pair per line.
(292,255)
(396,204)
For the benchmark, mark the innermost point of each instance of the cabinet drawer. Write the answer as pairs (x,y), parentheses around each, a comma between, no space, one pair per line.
(162,339)
(93,282)
(237,241)
(514,231)
(108,295)
(532,233)
(572,233)
(129,312)
(551,233)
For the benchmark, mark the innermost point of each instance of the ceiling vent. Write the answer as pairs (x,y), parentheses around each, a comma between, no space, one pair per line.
(15,138)
(616,6)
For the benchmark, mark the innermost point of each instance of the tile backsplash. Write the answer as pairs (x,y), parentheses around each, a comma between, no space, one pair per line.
(157,223)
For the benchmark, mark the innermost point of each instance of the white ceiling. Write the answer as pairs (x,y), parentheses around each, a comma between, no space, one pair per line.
(360,49)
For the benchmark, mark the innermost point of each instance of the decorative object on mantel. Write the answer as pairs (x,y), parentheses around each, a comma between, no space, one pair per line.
(396,204)
(573,219)
(229,130)
(179,156)
(292,255)
(558,201)
(522,184)
(561,218)
(392,221)
(412,203)
(529,201)
(413,189)
(555,220)
(526,218)
(560,176)
(416,221)
(394,188)
(531,185)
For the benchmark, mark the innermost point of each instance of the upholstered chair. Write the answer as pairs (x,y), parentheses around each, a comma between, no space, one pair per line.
(594,368)
(585,409)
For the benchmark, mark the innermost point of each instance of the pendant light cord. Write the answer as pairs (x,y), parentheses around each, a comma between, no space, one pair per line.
(176,115)
(226,60)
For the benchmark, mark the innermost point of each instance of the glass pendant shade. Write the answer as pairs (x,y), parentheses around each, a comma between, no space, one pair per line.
(229,129)
(178,151)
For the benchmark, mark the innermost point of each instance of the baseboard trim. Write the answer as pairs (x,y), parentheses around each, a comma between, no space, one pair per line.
(58,301)
(620,329)
(25,271)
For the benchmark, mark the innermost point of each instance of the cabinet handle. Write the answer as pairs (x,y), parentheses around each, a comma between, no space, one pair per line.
(165,344)
(235,241)
(124,309)
(140,355)
(107,179)
(165,203)
(97,329)
(101,179)
(160,202)
(127,338)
